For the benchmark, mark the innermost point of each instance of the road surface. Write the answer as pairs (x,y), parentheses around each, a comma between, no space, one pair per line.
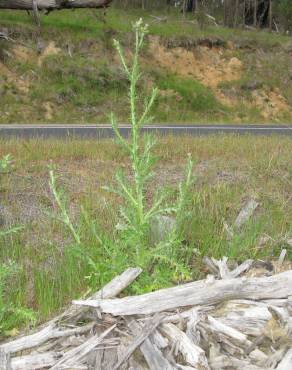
(105,131)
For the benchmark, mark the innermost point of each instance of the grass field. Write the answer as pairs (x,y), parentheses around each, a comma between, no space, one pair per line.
(75,213)
(67,71)
(51,271)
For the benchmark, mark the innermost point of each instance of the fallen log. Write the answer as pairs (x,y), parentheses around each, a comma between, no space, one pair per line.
(197,293)
(50,5)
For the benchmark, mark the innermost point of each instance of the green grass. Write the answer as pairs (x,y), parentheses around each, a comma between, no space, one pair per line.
(189,100)
(229,170)
(84,23)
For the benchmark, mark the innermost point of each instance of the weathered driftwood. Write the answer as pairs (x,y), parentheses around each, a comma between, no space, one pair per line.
(248,317)
(252,332)
(224,272)
(192,354)
(76,355)
(5,363)
(144,334)
(246,213)
(224,332)
(245,266)
(228,362)
(35,361)
(110,290)
(152,355)
(53,4)
(49,332)
(197,293)
(212,267)
(160,341)
(286,363)
(221,270)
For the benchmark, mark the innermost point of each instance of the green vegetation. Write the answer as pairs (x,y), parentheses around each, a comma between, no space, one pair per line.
(67,71)
(85,220)
(228,171)
(11,315)
(189,101)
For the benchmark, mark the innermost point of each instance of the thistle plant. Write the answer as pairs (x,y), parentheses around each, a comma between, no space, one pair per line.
(136,213)
(132,242)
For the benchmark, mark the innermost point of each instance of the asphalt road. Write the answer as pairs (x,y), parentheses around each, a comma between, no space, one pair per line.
(105,131)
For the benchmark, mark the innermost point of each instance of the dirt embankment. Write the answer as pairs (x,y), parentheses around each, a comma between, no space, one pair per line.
(213,65)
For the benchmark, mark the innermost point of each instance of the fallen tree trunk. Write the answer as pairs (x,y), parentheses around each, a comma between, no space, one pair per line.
(197,293)
(53,4)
